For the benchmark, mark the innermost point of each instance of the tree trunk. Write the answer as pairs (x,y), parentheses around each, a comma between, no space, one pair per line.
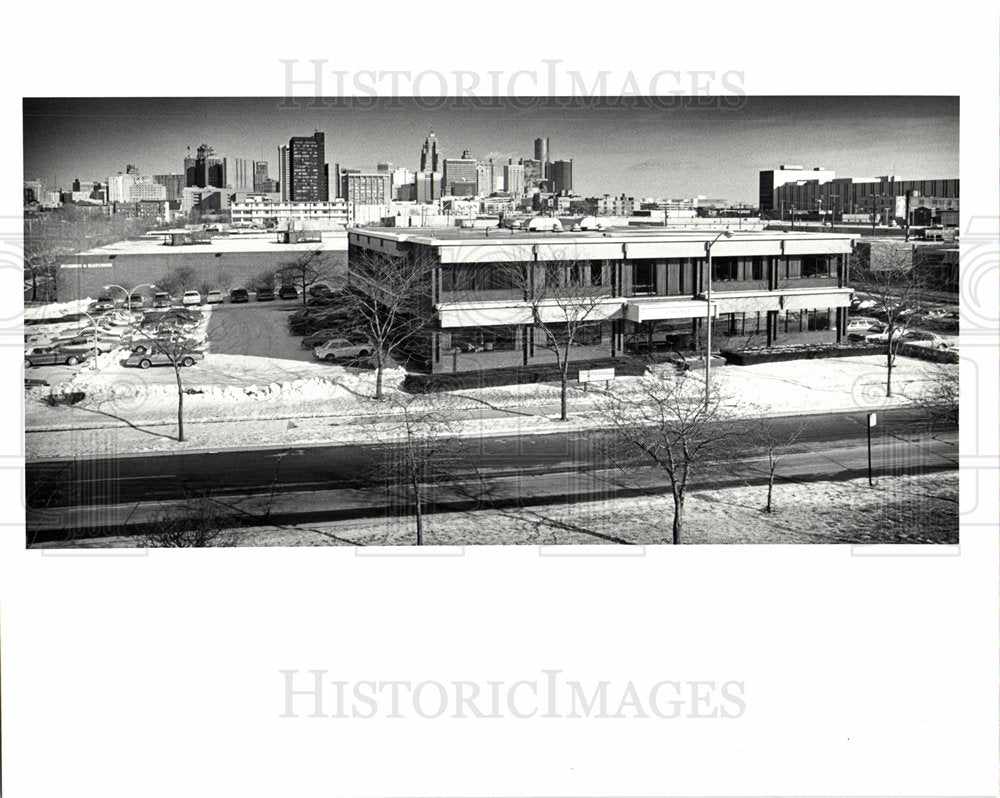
(378,376)
(418,510)
(180,404)
(563,402)
(888,371)
(678,517)
(770,487)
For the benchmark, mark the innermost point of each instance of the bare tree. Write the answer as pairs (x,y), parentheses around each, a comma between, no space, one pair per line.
(171,338)
(389,299)
(668,426)
(769,437)
(885,272)
(309,268)
(199,524)
(938,396)
(417,450)
(566,302)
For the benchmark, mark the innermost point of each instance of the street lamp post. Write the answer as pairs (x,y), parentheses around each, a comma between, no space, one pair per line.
(708,301)
(128,293)
(93,322)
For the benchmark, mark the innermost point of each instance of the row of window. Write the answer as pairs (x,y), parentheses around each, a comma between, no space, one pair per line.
(558,275)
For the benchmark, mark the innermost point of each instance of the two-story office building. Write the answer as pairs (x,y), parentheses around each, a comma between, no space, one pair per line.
(637,290)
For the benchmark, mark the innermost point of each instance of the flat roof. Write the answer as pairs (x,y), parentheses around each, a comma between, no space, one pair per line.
(332,240)
(450,235)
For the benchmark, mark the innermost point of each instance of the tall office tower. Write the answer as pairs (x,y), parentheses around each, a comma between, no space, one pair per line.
(460,171)
(304,174)
(486,178)
(262,182)
(429,154)
(132,169)
(189,167)
(542,155)
(384,167)
(513,178)
(240,176)
(532,172)
(209,169)
(562,176)
(366,188)
(174,183)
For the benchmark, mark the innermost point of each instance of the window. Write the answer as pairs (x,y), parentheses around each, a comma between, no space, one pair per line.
(588,334)
(724,269)
(643,278)
(484,339)
(815,266)
(596,274)
(819,319)
(757,269)
(553,275)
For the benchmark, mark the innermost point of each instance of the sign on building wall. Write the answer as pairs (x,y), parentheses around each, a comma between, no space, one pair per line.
(85,265)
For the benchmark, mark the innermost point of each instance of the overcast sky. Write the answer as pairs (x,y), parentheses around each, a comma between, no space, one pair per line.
(716,151)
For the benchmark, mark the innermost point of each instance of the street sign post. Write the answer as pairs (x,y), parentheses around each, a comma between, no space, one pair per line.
(872,421)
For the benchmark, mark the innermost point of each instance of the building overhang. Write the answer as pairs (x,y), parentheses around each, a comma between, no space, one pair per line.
(658,309)
(791,299)
(514,312)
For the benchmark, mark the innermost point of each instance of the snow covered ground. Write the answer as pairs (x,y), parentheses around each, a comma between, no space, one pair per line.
(903,509)
(235,400)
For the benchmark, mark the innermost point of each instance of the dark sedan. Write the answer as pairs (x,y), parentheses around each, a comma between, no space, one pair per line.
(265,294)
(239,295)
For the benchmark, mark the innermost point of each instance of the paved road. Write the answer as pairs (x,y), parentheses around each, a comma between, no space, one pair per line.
(340,481)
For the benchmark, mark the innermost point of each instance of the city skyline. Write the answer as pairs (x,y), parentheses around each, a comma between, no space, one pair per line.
(686,150)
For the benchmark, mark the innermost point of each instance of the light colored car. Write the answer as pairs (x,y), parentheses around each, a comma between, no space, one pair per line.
(156,358)
(214,297)
(861,324)
(921,338)
(191,298)
(343,348)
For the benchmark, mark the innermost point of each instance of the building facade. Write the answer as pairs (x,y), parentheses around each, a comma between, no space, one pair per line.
(262,212)
(304,174)
(641,291)
(561,176)
(459,171)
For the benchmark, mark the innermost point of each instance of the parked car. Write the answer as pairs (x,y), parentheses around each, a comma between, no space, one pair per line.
(105,343)
(319,289)
(158,341)
(239,295)
(265,294)
(136,303)
(191,298)
(322,336)
(307,325)
(862,324)
(162,300)
(52,355)
(214,297)
(921,338)
(341,348)
(288,292)
(155,358)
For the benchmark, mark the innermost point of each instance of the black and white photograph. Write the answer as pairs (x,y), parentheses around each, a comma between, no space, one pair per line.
(504,321)
(505,401)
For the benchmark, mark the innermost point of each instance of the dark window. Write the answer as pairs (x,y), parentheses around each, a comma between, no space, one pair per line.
(724,269)
(815,266)
(757,269)
(596,274)
(484,339)
(553,275)
(643,278)
(583,334)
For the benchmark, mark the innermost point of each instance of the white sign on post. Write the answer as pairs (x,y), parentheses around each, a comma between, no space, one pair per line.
(594,375)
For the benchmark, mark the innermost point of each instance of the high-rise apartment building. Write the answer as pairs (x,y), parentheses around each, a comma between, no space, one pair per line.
(486,178)
(174,184)
(304,174)
(240,174)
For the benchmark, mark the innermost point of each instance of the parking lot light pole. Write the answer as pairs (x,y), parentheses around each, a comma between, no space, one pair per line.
(128,293)
(93,322)
(708,301)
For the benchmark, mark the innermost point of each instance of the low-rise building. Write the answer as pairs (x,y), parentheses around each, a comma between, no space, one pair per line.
(642,289)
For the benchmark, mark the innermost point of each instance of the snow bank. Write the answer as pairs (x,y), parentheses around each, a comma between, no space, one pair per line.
(56,309)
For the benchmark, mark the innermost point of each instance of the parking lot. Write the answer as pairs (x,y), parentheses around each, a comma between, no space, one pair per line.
(258,329)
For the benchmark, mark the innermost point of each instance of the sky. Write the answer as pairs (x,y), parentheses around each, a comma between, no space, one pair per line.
(678,147)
